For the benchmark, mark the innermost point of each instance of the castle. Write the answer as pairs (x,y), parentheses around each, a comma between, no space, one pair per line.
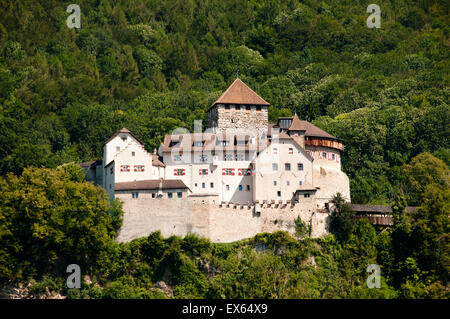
(239,177)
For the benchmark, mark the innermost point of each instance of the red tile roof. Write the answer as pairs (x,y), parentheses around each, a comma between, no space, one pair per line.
(239,93)
(150,184)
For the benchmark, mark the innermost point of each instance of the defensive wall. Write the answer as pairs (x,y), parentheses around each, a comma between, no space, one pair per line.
(204,216)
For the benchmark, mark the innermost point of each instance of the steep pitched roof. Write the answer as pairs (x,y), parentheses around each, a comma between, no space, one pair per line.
(239,93)
(309,128)
(156,161)
(296,124)
(123,130)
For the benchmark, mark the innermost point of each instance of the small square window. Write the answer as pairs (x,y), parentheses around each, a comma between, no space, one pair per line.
(300,166)
(180,194)
(195,185)
(203,185)
(240,187)
(274,167)
(279,193)
(324,155)
(117,148)
(306,195)
(169,195)
(133,153)
(274,183)
(287,166)
(300,183)
(153,195)
(212,185)
(248,188)
(227,187)
(288,183)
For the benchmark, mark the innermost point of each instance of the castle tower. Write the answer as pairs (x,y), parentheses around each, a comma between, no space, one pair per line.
(239,109)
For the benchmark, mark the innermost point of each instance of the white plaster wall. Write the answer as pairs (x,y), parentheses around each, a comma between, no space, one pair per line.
(265,176)
(125,157)
(109,149)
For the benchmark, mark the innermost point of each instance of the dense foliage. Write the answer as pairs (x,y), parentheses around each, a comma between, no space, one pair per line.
(155,65)
(51,218)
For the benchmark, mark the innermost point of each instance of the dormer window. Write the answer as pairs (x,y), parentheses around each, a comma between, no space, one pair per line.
(124,138)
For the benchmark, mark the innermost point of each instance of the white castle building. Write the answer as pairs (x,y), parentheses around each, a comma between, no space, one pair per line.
(240,161)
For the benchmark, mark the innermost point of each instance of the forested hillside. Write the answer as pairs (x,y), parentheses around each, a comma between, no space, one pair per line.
(152,66)
(155,65)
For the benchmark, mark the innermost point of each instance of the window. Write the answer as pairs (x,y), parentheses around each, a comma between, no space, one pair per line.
(279,193)
(195,185)
(324,155)
(134,194)
(124,138)
(237,108)
(198,143)
(258,109)
(248,188)
(153,195)
(333,156)
(124,168)
(287,166)
(274,183)
(300,183)
(117,148)
(239,157)
(179,171)
(227,187)
(180,194)
(274,167)
(138,168)
(306,195)
(247,108)
(227,107)
(203,185)
(203,171)
(228,171)
(291,150)
(288,183)
(228,157)
(240,187)
(275,150)
(300,166)
(111,171)
(212,185)
(203,158)
(133,153)
(169,195)
(176,158)
(244,171)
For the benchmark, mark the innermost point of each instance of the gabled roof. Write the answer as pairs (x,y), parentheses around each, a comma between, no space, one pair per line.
(123,130)
(239,93)
(156,161)
(309,128)
(296,124)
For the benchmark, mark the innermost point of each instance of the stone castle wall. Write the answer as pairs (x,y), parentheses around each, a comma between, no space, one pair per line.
(219,223)
(242,121)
